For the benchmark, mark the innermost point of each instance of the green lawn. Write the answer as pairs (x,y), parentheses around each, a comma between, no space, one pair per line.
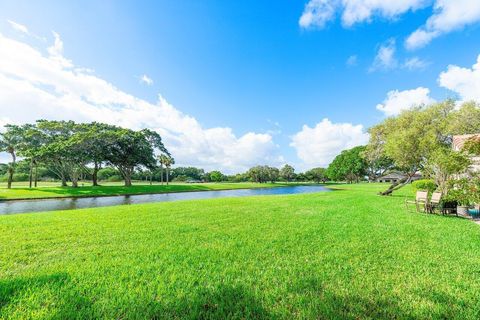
(51,190)
(348,254)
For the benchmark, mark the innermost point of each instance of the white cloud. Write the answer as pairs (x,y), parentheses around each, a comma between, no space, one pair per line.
(397,101)
(34,86)
(385,58)
(319,145)
(415,63)
(352,60)
(318,12)
(18,27)
(146,80)
(449,15)
(464,81)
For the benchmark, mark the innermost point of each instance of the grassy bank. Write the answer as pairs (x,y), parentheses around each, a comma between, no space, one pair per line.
(347,254)
(21,190)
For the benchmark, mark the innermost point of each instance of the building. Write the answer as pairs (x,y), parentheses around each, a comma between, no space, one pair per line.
(394,177)
(457,145)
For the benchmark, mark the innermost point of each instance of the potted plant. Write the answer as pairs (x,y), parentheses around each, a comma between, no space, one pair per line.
(462,192)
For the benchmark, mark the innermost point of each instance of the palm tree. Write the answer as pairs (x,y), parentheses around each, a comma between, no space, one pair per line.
(161,160)
(167,161)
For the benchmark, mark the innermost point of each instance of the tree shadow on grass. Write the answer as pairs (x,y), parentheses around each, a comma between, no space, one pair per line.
(324,303)
(55,292)
(224,302)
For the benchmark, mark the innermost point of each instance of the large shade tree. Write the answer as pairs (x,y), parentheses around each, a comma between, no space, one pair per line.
(348,166)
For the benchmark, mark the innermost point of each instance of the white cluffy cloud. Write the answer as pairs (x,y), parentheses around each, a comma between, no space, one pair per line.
(318,12)
(464,81)
(146,80)
(397,101)
(34,85)
(18,27)
(385,58)
(448,15)
(319,145)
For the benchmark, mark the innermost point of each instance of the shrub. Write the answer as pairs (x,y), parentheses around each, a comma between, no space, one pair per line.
(115,178)
(424,185)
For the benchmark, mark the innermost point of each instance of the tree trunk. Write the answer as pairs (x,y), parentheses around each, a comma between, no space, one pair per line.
(161,174)
(95,175)
(75,182)
(11,170)
(397,185)
(64,180)
(35,174)
(30,174)
(151,177)
(168,173)
(128,180)
(10,177)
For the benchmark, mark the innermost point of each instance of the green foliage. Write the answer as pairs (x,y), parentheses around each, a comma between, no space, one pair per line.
(190,173)
(443,164)
(472,146)
(424,185)
(262,174)
(465,191)
(216,176)
(316,174)
(348,166)
(107,172)
(335,255)
(287,173)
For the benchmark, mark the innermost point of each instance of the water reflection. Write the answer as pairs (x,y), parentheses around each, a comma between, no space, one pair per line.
(10,207)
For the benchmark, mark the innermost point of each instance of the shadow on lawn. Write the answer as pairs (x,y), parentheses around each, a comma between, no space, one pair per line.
(54,291)
(224,302)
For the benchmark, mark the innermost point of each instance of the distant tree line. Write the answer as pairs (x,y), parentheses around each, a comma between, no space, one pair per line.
(70,151)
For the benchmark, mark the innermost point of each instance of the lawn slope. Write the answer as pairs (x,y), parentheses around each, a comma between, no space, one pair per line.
(347,254)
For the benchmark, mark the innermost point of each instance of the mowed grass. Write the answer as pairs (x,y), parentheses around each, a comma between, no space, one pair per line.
(348,254)
(52,190)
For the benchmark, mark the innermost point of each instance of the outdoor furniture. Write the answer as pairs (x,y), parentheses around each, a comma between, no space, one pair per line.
(421,201)
(434,202)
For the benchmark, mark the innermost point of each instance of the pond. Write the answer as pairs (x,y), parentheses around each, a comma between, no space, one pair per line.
(40,205)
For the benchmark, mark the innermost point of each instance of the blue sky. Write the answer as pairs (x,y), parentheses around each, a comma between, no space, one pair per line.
(257,78)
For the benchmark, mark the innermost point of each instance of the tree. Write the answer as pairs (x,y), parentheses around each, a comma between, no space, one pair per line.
(165,161)
(216,176)
(464,120)
(127,149)
(10,141)
(93,137)
(472,146)
(410,138)
(377,163)
(262,174)
(317,175)
(443,164)
(273,174)
(349,165)
(188,172)
(287,172)
(54,151)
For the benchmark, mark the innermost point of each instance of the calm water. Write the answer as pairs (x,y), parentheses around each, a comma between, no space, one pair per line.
(10,207)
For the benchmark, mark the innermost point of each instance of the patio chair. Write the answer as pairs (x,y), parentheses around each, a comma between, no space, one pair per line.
(434,202)
(421,201)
